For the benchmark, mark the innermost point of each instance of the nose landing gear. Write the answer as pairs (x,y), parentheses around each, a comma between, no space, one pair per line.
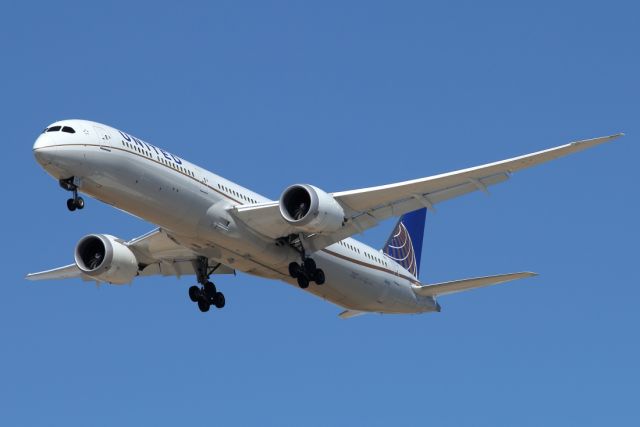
(76,202)
(207,294)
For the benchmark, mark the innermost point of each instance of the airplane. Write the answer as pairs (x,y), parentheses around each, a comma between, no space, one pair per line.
(208,225)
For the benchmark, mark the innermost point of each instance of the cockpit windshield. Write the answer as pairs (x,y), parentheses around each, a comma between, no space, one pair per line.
(66,129)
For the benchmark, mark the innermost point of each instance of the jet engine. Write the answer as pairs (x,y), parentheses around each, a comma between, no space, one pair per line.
(310,209)
(106,259)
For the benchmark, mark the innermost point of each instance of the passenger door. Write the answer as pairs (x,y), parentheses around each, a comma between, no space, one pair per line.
(104,138)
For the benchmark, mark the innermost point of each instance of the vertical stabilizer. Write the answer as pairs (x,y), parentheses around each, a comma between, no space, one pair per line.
(404,245)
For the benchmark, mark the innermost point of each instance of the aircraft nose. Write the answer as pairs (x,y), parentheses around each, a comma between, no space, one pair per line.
(41,148)
(43,141)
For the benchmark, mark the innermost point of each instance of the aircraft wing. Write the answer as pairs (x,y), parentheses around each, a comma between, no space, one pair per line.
(70,271)
(365,208)
(157,252)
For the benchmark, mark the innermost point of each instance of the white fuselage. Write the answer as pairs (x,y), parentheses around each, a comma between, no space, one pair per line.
(192,205)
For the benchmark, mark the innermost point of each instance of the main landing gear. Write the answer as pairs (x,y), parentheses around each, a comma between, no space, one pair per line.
(76,202)
(207,294)
(306,272)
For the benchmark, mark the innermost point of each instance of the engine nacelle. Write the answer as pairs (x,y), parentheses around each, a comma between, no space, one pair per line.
(103,257)
(310,209)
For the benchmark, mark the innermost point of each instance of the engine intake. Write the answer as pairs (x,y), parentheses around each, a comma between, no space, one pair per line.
(106,259)
(310,209)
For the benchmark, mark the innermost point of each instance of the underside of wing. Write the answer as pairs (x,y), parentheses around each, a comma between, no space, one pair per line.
(264,218)
(70,271)
(159,253)
(156,253)
(365,208)
(441,187)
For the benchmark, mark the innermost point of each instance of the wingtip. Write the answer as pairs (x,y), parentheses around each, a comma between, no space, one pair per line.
(598,140)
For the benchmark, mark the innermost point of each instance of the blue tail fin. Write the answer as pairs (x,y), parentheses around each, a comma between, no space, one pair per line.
(404,245)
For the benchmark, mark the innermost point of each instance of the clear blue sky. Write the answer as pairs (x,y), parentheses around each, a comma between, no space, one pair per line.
(341,95)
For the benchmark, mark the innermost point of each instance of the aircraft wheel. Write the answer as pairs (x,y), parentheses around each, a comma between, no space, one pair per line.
(71,205)
(294,270)
(194,293)
(79,202)
(210,290)
(218,300)
(303,282)
(204,305)
(309,265)
(318,277)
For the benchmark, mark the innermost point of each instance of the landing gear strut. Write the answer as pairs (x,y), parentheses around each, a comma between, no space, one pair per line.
(306,272)
(207,294)
(76,202)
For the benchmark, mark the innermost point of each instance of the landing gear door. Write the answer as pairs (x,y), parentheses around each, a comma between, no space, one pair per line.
(104,138)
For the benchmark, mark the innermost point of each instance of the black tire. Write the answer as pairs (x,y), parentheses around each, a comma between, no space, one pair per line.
(294,270)
(309,266)
(210,290)
(71,205)
(194,293)
(204,305)
(79,203)
(318,277)
(303,281)
(219,300)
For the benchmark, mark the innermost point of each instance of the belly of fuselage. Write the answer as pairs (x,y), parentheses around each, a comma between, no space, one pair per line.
(144,188)
(183,206)
(192,212)
(360,287)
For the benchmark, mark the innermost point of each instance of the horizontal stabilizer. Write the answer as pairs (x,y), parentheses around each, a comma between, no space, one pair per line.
(466,284)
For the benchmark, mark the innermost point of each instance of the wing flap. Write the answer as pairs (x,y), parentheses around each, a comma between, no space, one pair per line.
(348,314)
(454,286)
(156,246)
(178,268)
